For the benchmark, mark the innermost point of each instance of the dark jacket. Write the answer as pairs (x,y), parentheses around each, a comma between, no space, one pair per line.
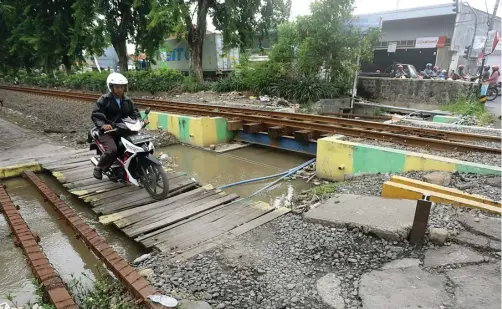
(107,105)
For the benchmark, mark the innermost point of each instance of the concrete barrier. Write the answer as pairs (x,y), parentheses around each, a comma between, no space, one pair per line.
(196,131)
(336,159)
(424,94)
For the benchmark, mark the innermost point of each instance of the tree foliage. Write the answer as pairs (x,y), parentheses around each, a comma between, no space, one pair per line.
(239,20)
(324,44)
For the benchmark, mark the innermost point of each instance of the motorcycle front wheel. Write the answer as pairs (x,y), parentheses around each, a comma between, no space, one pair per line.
(154,180)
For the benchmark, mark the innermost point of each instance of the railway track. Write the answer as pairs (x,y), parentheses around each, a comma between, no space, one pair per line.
(311,126)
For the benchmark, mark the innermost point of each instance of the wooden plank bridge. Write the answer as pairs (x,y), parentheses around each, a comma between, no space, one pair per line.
(192,219)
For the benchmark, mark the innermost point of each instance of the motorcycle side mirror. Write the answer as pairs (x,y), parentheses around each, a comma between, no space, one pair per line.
(147,111)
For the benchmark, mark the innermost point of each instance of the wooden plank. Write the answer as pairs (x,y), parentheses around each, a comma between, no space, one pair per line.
(155,237)
(184,241)
(252,127)
(276,213)
(180,216)
(124,189)
(162,211)
(276,132)
(142,198)
(126,213)
(66,166)
(203,224)
(203,247)
(303,135)
(205,199)
(234,125)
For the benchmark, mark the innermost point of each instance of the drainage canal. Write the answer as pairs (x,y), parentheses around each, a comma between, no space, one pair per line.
(70,257)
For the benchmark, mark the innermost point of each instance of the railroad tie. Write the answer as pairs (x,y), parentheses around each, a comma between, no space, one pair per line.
(135,283)
(38,261)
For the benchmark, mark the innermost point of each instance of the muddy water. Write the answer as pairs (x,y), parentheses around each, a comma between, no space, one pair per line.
(68,255)
(251,162)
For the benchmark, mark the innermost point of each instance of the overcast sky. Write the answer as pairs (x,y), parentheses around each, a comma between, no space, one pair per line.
(301,7)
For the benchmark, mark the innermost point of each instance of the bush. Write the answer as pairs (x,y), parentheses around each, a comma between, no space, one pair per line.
(470,106)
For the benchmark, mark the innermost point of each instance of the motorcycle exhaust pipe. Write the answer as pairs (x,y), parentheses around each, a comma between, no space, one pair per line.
(94,161)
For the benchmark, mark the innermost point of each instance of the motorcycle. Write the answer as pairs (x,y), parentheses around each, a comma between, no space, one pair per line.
(492,92)
(136,163)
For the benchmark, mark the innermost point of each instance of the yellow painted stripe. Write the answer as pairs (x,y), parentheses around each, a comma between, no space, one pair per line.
(423,162)
(172,125)
(440,189)
(196,132)
(153,117)
(18,169)
(209,131)
(334,158)
(400,191)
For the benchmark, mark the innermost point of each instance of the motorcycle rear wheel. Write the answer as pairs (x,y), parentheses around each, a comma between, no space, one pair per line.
(492,93)
(154,178)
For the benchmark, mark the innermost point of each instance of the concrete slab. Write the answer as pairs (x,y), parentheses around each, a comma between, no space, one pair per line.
(328,287)
(490,227)
(445,119)
(477,286)
(402,263)
(477,241)
(453,254)
(410,288)
(386,218)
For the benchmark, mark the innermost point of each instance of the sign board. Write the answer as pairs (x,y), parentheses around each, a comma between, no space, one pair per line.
(428,42)
(491,41)
(391,48)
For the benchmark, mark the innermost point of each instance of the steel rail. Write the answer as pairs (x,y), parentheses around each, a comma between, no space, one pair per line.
(350,127)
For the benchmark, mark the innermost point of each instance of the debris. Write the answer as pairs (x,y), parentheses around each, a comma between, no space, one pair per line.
(264,98)
(163,156)
(212,147)
(59,131)
(142,258)
(164,300)
(438,178)
(438,236)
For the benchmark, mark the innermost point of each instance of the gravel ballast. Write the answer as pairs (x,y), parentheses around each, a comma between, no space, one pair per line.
(73,118)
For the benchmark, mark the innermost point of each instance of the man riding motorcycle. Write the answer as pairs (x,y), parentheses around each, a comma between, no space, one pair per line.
(429,72)
(115,105)
(436,71)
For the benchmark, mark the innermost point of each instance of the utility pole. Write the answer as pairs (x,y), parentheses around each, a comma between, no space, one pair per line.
(482,99)
(474,34)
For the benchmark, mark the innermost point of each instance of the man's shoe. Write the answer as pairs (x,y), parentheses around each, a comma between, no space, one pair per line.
(98,174)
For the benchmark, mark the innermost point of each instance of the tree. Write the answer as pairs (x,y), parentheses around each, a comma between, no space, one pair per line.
(43,34)
(326,41)
(240,21)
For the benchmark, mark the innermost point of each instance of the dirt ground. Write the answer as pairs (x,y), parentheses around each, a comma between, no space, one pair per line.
(71,119)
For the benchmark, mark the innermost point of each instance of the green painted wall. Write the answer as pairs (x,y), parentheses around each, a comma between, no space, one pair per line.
(376,160)
(222,134)
(184,129)
(162,122)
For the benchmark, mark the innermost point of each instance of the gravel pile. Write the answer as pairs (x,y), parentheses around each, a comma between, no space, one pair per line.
(277,266)
(424,124)
(477,157)
(47,114)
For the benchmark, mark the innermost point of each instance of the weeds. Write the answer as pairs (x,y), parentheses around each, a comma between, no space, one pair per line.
(470,106)
(325,191)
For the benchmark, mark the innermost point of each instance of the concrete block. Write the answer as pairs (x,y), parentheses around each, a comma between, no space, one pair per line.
(453,254)
(337,158)
(403,288)
(477,241)
(332,105)
(385,218)
(487,226)
(402,263)
(477,286)
(445,119)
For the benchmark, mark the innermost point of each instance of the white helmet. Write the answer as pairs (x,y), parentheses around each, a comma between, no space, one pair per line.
(115,79)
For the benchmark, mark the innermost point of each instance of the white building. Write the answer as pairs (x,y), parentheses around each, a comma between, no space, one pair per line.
(432,34)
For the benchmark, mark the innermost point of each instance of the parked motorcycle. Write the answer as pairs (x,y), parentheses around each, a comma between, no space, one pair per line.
(136,163)
(492,92)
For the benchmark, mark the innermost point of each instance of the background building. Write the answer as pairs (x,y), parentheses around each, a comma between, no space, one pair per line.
(434,34)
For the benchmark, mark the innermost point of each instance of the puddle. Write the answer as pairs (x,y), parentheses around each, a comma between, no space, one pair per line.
(68,255)
(247,163)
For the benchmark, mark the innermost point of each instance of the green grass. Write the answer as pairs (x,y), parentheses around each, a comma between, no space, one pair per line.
(325,191)
(470,107)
